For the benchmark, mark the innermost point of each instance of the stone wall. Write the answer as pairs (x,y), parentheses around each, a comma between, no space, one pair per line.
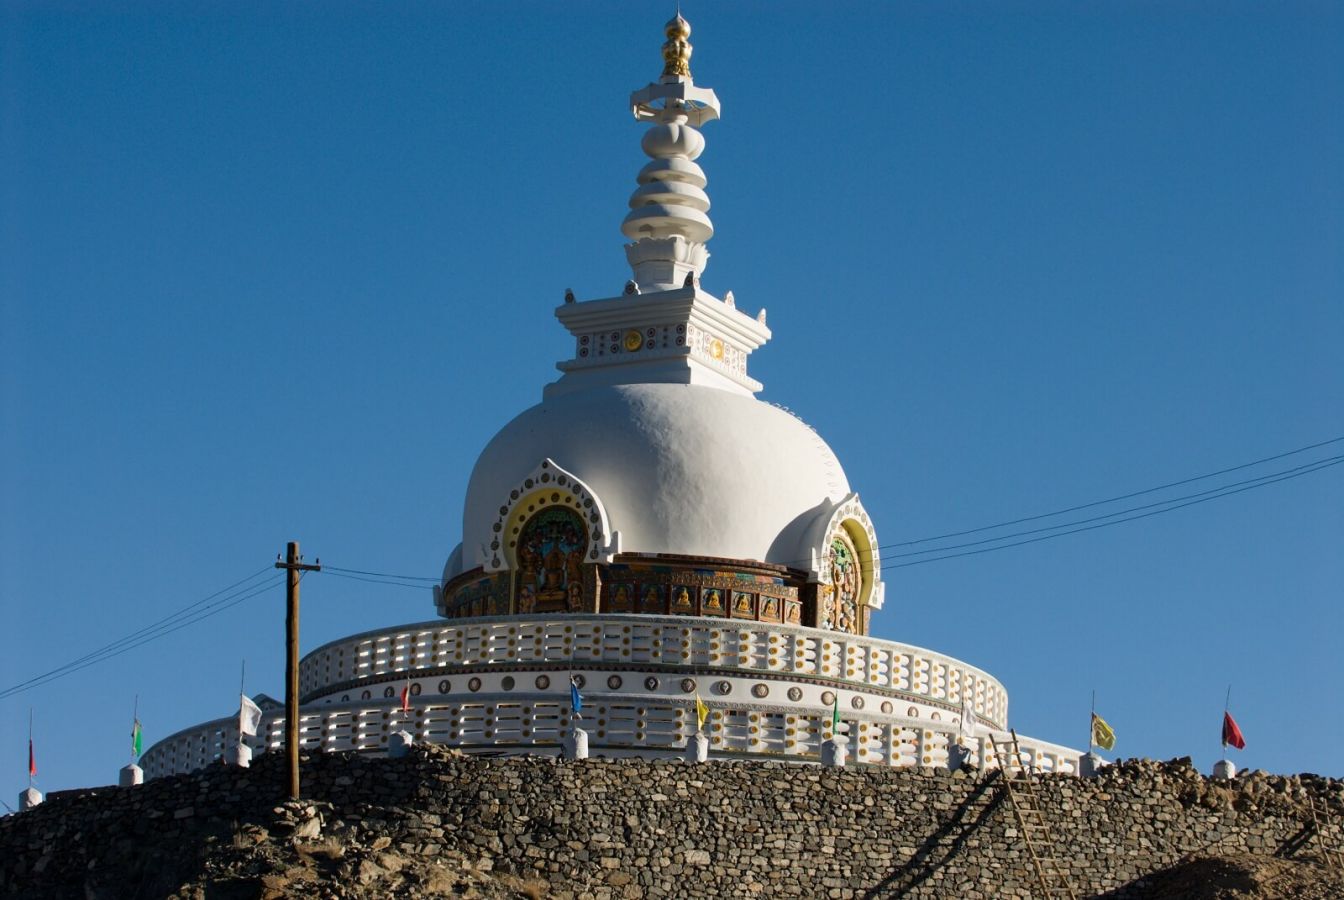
(660,828)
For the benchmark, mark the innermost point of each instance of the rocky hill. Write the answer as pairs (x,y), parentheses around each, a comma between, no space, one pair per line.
(436,823)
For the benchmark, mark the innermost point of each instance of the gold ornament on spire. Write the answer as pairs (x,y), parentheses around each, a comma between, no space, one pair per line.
(677,50)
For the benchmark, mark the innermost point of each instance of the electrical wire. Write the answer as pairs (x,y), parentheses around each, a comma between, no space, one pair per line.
(1064,528)
(168,619)
(1258,481)
(340,574)
(1129,496)
(149,633)
(919,562)
(381,574)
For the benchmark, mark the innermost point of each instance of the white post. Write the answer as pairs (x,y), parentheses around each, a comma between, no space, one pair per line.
(130,776)
(576,745)
(958,756)
(834,753)
(697,748)
(1224,768)
(29,798)
(399,744)
(1090,765)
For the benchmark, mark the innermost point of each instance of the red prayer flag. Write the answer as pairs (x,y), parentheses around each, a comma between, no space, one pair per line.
(1231,733)
(406,699)
(32,761)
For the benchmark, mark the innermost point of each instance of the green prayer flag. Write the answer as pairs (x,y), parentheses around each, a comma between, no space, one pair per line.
(835,716)
(135,738)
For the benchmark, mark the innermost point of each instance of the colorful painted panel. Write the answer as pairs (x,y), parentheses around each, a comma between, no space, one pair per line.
(551,548)
(845,583)
(711,602)
(479,598)
(621,597)
(744,605)
(651,599)
(683,600)
(771,609)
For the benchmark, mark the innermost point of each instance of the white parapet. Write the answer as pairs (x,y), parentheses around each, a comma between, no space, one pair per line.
(902,676)
(500,686)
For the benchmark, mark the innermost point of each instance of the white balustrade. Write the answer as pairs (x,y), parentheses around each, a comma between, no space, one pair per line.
(615,728)
(652,640)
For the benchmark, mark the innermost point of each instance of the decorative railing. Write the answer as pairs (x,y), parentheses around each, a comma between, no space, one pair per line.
(655,642)
(519,725)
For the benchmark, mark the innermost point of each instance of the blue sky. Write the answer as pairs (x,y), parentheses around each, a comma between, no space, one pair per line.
(279,272)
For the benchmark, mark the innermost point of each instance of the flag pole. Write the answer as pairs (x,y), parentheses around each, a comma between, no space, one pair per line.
(1091,722)
(30,748)
(1227,704)
(135,720)
(242,678)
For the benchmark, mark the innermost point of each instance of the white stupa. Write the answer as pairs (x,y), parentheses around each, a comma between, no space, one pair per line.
(656,534)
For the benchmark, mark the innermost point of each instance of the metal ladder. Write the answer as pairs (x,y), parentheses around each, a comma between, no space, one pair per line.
(1020,785)
(1329,854)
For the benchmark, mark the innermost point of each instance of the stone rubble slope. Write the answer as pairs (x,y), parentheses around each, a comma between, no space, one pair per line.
(437,823)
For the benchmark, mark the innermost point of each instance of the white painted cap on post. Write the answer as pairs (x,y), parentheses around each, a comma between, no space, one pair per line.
(834,753)
(697,748)
(399,744)
(29,798)
(130,776)
(1224,768)
(1090,765)
(576,745)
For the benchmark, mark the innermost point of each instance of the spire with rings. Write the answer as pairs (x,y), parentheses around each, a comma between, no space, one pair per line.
(668,221)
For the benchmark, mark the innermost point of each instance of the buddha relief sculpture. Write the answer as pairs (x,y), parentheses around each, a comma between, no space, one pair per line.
(550,547)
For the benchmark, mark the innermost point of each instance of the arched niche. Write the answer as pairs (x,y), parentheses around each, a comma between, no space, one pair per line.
(546,486)
(846,566)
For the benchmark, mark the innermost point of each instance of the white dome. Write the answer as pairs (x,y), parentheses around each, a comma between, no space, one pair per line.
(678,468)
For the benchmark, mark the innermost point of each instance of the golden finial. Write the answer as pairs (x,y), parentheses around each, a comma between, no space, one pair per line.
(677,50)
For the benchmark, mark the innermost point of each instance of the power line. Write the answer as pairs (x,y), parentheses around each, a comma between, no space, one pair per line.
(919,562)
(1258,481)
(1160,487)
(164,627)
(381,574)
(1171,504)
(340,574)
(168,619)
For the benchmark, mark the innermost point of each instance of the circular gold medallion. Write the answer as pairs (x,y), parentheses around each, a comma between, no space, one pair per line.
(633,341)
(716,348)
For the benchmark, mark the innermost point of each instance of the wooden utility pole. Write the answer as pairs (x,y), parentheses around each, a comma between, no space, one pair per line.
(295,565)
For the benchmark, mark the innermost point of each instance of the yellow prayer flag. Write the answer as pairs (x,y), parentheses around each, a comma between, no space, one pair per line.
(1102,735)
(701,713)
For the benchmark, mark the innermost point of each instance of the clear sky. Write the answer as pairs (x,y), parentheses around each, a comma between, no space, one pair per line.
(274,272)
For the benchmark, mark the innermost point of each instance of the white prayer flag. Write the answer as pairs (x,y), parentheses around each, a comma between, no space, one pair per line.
(249,716)
(969,723)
